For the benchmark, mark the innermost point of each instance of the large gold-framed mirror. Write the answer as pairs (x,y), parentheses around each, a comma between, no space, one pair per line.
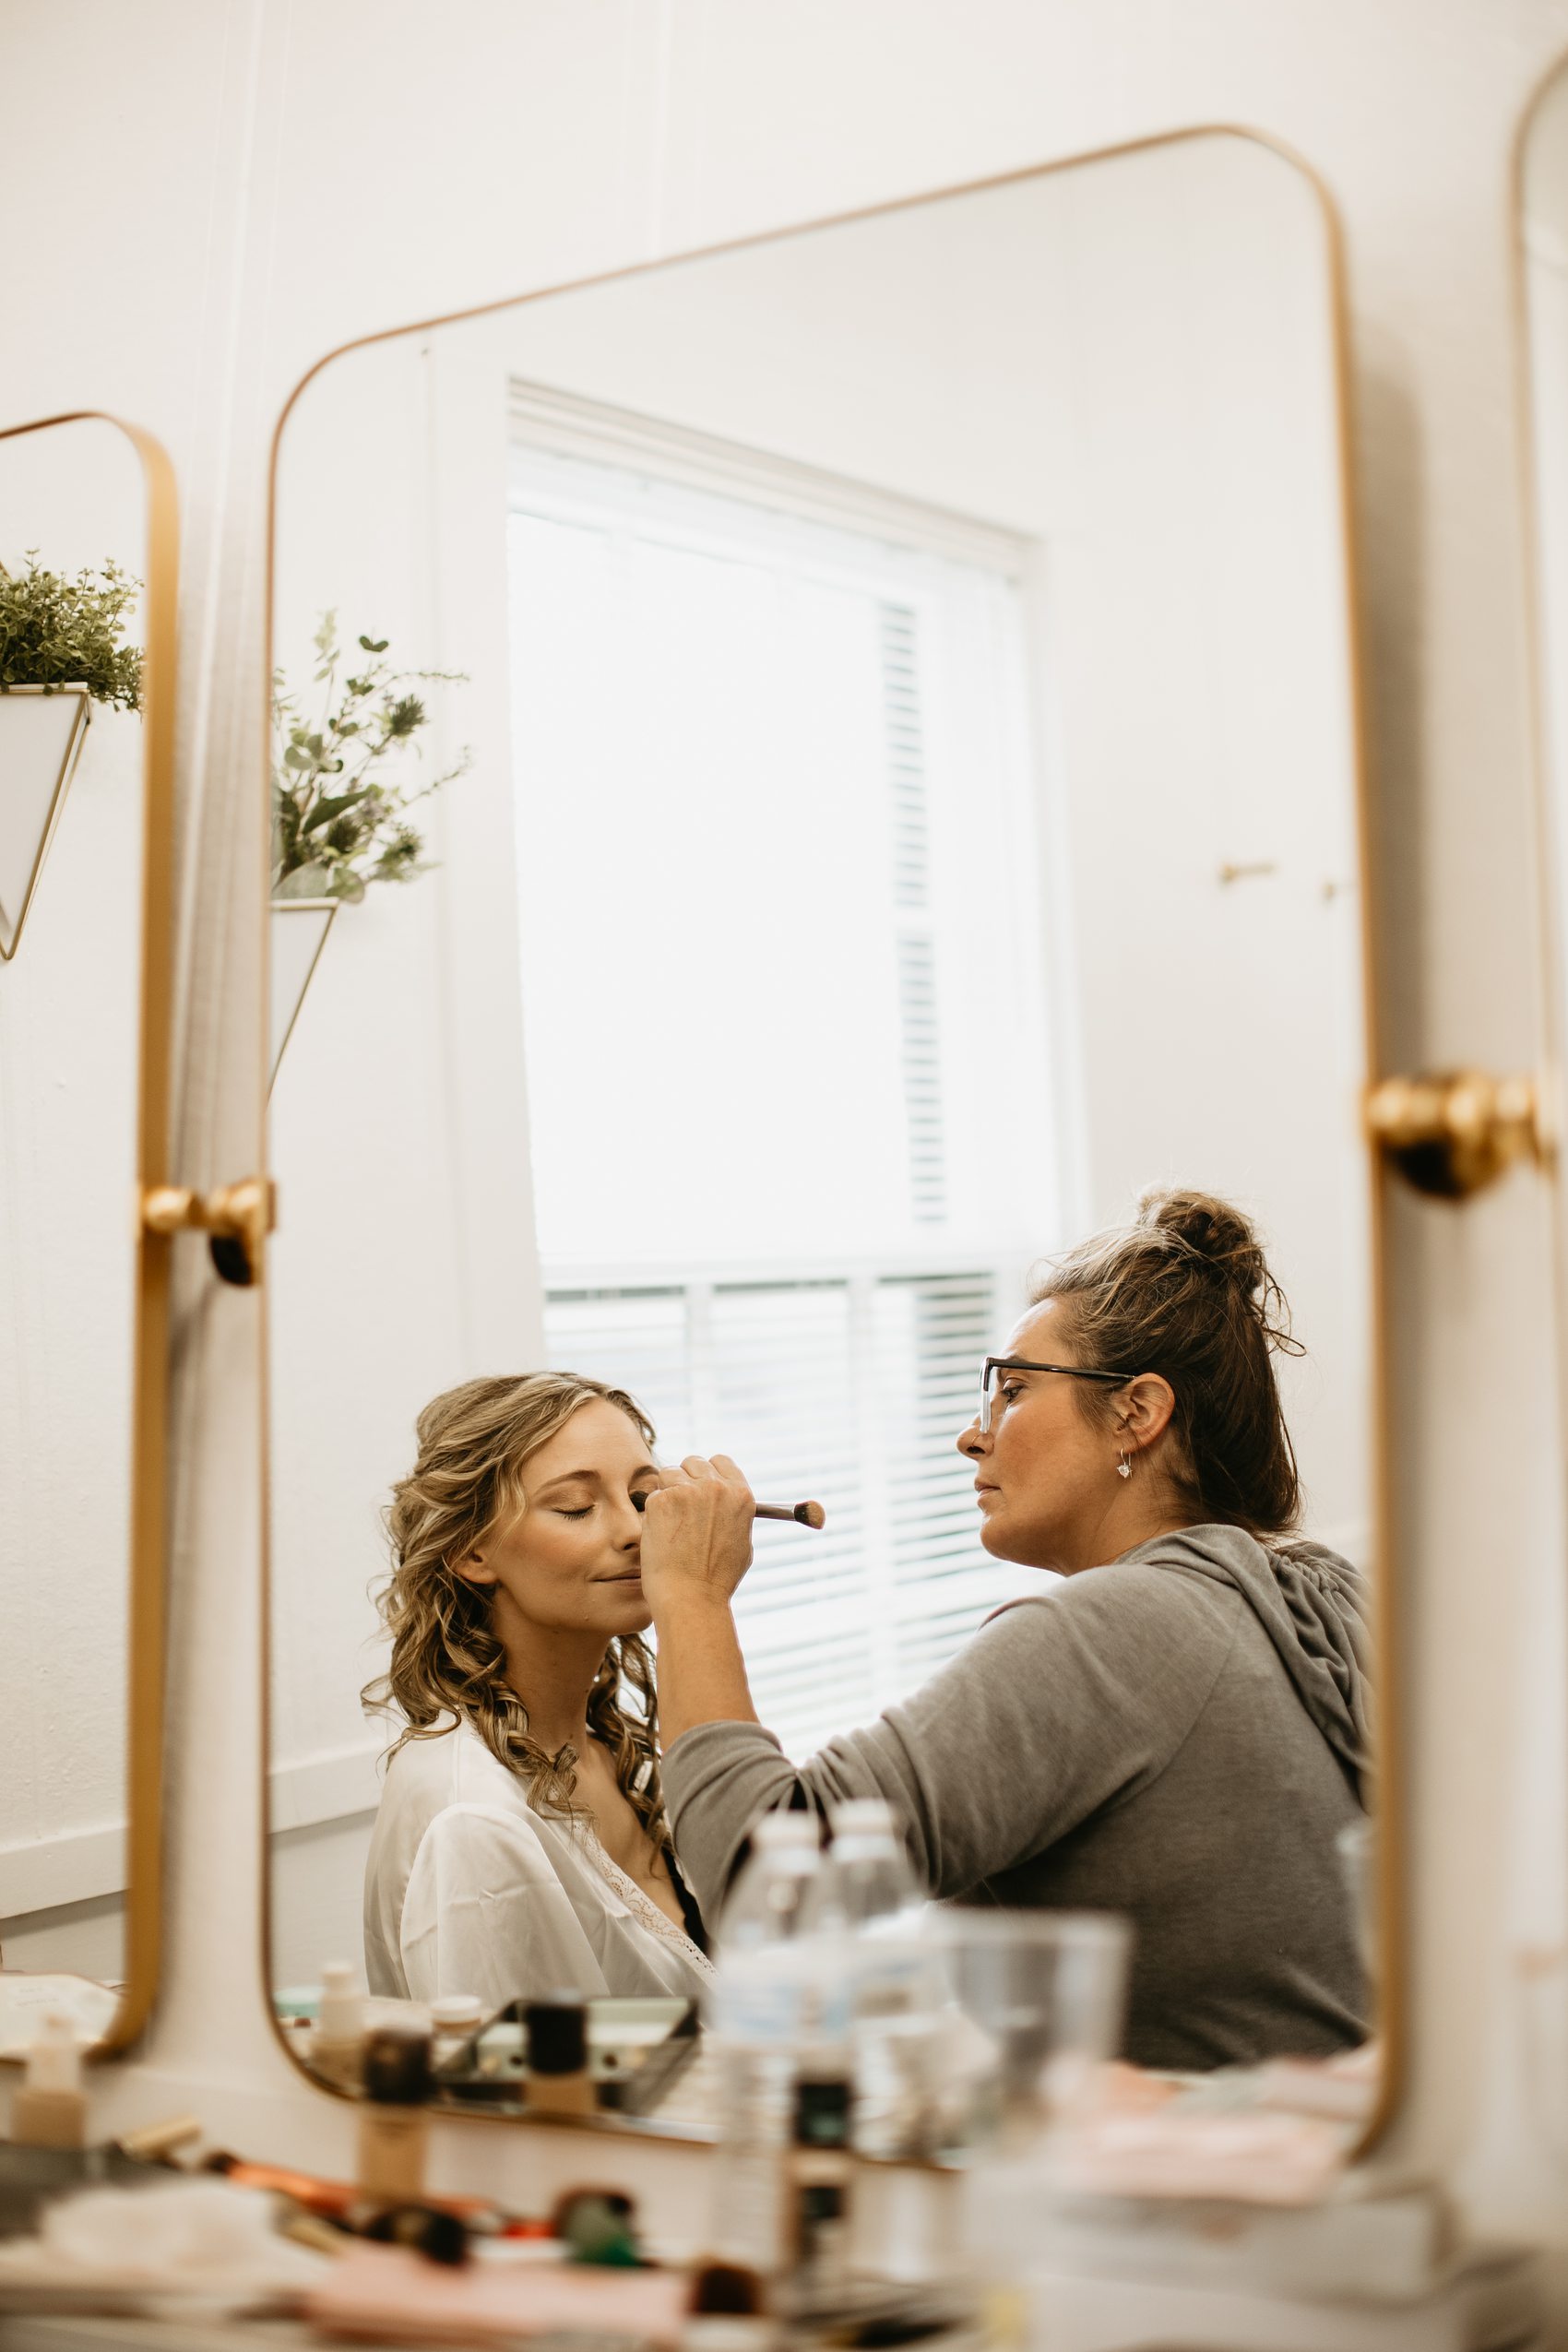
(90,549)
(805,778)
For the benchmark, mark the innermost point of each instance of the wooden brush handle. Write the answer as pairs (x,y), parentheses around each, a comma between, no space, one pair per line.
(805,1514)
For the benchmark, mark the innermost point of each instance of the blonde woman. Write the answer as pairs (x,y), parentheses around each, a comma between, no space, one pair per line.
(521,1847)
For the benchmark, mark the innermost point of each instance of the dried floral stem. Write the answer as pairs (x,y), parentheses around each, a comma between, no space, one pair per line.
(339,822)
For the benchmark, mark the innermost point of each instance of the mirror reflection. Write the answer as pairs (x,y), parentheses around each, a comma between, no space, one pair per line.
(814,862)
(73,559)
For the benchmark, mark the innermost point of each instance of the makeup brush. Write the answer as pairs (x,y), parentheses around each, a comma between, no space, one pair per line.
(805,1514)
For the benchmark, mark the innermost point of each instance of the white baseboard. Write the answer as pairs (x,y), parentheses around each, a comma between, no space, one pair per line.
(73,1868)
(327,1787)
(83,1865)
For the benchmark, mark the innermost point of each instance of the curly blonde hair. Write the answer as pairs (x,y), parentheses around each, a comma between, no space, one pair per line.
(448,1664)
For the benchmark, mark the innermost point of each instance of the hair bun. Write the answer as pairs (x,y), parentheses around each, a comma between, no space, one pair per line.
(1211,1229)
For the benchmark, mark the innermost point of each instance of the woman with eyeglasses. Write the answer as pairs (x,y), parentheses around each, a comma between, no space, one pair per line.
(1178,1730)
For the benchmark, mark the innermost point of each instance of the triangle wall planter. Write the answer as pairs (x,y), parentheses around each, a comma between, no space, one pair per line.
(41,733)
(299,929)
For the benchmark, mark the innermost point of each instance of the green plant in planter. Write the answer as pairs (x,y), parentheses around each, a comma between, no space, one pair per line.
(58,632)
(340,813)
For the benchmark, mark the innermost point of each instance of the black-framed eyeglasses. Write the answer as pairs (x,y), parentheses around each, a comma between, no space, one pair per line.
(1022,1363)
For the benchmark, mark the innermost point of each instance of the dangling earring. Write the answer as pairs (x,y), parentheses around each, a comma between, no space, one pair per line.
(1123,1468)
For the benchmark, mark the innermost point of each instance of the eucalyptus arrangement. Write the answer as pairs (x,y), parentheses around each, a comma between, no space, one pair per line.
(341,794)
(56,631)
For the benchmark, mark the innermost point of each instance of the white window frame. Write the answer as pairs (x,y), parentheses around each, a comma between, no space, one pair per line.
(560,425)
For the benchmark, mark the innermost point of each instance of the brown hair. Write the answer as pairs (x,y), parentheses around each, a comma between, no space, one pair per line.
(448,1664)
(1185,1291)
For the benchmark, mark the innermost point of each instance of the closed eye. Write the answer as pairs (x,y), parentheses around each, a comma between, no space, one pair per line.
(581,1513)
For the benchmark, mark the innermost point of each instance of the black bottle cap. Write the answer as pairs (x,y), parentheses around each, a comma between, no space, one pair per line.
(726,2290)
(396,2066)
(557,2032)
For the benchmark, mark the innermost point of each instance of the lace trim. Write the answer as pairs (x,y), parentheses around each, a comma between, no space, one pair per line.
(643,1908)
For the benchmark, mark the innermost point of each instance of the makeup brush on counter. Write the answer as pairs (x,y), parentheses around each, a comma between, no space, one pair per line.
(805,1514)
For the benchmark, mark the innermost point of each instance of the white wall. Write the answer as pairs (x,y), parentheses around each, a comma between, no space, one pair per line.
(288,179)
(68,1006)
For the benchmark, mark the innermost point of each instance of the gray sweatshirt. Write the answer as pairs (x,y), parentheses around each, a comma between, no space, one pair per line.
(1177,1737)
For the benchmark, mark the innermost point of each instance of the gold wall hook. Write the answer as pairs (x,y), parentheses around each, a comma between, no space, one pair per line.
(236,1217)
(1451,1133)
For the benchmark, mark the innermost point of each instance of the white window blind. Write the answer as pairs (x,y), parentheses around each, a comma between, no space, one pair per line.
(852,1390)
(783,1195)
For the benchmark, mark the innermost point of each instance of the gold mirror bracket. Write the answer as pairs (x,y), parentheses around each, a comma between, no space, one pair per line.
(236,1217)
(1451,1133)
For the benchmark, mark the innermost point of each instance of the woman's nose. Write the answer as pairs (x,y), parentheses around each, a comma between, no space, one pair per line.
(972,1441)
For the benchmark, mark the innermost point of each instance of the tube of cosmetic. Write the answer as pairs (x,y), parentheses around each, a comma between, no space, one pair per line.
(48,2111)
(393,2126)
(160,2143)
(336,2047)
(342,2203)
(558,2081)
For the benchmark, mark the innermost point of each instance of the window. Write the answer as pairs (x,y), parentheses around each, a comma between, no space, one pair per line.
(784,1015)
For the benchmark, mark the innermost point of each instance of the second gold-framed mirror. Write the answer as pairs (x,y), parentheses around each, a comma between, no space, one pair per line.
(837,763)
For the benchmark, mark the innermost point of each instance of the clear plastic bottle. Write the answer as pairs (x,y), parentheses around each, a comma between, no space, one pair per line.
(867,1875)
(772,1998)
(772,1897)
(896,1986)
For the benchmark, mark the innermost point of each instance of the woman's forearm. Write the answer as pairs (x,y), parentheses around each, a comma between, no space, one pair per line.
(702,1675)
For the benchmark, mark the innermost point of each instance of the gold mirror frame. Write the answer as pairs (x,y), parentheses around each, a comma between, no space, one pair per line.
(149,1415)
(1392,1975)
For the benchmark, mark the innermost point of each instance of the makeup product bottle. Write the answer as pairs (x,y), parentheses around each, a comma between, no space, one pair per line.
(393,2126)
(336,2048)
(557,2056)
(48,2111)
(599,2226)
(760,2012)
(455,2019)
(728,2311)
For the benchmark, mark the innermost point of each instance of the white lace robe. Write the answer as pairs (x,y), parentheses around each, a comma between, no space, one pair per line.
(468,1889)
